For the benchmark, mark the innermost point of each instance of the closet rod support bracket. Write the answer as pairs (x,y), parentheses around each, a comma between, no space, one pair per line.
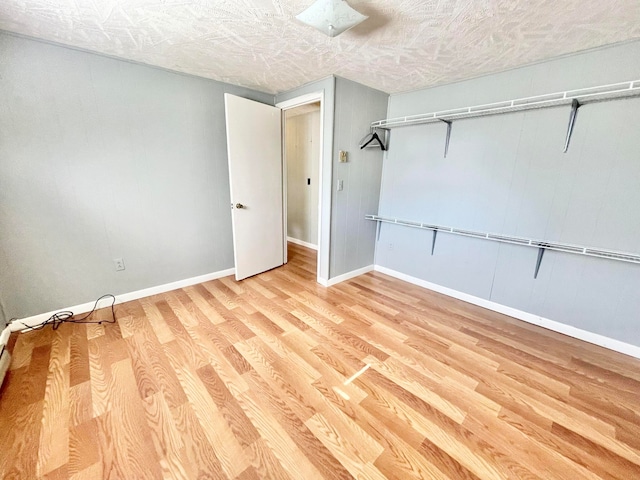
(446,142)
(575,105)
(539,261)
(433,241)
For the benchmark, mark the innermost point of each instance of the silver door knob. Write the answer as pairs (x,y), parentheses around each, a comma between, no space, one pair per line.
(239,205)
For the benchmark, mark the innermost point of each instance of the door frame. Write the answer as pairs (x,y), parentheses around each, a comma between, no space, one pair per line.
(324,194)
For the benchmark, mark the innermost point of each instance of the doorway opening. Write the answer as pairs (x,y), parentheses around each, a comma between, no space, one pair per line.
(302,174)
(302,148)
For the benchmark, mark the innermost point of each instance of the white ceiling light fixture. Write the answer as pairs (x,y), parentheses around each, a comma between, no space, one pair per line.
(331,17)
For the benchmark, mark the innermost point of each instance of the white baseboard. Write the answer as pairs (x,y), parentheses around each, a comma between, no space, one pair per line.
(347,276)
(574,332)
(4,337)
(25,324)
(5,361)
(304,244)
(5,357)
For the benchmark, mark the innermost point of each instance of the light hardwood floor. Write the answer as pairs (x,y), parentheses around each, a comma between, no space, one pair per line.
(255,380)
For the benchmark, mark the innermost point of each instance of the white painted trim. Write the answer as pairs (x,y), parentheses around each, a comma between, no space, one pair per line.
(324,175)
(348,275)
(5,361)
(4,337)
(568,330)
(20,324)
(5,357)
(299,101)
(302,243)
(285,185)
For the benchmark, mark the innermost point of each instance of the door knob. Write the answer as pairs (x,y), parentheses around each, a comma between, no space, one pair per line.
(239,205)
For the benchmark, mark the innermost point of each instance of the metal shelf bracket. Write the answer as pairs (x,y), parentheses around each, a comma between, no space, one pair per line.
(575,105)
(433,241)
(446,142)
(539,261)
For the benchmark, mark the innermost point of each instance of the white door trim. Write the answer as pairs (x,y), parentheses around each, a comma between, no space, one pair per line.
(301,100)
(324,200)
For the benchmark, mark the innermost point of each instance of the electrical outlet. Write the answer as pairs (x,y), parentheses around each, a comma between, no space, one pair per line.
(390,246)
(119,263)
(340,185)
(343,157)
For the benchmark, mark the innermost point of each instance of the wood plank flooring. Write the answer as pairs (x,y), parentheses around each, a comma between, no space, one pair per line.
(278,377)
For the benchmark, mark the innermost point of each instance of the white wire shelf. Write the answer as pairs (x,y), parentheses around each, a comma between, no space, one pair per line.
(526,242)
(584,95)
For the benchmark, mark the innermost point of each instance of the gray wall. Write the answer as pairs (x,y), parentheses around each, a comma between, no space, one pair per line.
(99,159)
(327,86)
(350,237)
(302,153)
(353,237)
(507,174)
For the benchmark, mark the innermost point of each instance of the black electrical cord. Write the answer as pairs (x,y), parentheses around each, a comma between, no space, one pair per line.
(66,316)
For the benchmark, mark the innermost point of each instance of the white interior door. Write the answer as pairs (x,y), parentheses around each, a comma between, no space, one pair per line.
(254,146)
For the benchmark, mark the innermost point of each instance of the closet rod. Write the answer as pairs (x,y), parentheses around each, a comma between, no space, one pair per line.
(542,245)
(599,93)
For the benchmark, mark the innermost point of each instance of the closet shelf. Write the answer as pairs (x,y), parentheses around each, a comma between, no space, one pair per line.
(541,245)
(582,96)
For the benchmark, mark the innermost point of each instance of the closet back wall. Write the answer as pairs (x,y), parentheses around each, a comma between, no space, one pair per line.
(507,174)
(101,159)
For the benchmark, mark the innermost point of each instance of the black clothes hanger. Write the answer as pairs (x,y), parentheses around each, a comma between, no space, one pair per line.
(374,137)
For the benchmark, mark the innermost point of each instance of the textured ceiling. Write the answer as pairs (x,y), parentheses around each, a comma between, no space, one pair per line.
(404,45)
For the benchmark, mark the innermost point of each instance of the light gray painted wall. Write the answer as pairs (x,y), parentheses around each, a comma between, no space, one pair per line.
(327,86)
(507,174)
(302,147)
(352,237)
(99,159)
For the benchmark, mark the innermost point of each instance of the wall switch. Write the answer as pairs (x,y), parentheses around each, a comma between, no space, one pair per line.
(340,185)
(343,158)
(119,263)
